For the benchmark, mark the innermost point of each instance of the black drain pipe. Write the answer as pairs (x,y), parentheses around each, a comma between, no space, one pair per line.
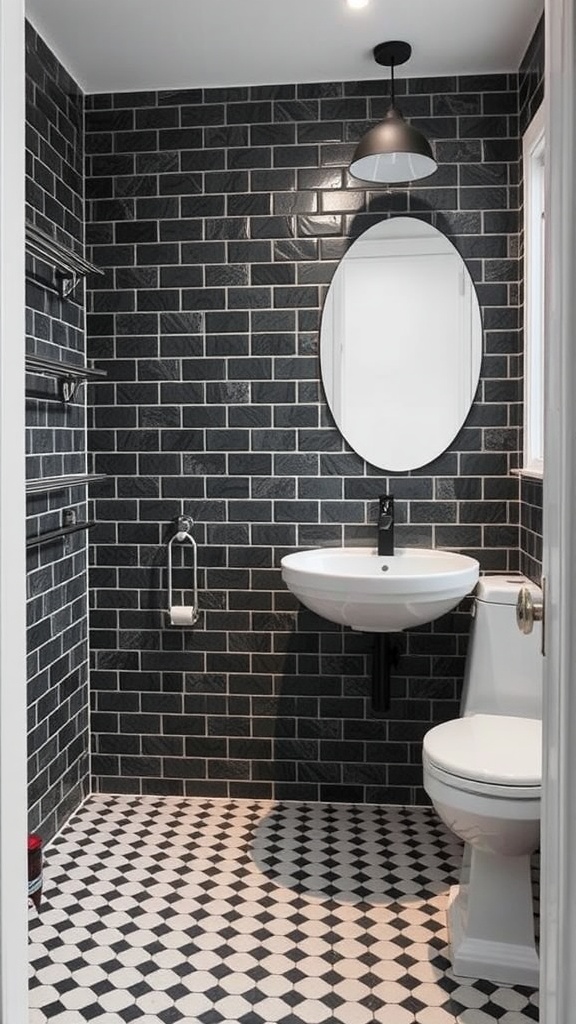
(384,659)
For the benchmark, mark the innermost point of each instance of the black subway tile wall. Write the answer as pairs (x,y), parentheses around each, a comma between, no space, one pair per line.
(219,217)
(58,743)
(531,94)
(531,78)
(531,528)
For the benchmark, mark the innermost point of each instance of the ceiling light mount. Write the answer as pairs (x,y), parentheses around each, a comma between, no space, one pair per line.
(392,54)
(393,151)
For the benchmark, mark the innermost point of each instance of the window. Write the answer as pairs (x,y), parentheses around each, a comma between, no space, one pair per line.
(533,156)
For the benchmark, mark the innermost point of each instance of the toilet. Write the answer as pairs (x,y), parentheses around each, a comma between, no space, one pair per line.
(483,774)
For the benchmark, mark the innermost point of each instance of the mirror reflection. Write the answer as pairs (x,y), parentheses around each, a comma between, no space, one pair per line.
(401,344)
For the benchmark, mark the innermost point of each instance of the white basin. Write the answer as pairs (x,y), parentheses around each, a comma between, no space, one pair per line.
(379,593)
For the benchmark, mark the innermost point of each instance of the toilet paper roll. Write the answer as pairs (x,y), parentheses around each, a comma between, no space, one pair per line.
(182,615)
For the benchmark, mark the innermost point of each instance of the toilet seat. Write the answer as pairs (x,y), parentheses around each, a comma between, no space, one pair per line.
(498,755)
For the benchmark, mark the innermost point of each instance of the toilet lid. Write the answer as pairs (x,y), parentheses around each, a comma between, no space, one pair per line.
(488,748)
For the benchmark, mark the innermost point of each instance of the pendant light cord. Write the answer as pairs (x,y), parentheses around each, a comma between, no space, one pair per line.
(392,103)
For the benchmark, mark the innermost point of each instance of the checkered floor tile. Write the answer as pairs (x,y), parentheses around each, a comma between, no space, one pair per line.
(171,911)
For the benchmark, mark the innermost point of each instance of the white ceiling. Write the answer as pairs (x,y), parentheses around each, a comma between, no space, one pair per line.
(125,45)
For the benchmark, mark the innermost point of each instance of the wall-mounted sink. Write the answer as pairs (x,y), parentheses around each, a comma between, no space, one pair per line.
(379,593)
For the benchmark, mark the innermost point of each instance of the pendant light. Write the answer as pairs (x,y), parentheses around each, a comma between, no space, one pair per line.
(392,151)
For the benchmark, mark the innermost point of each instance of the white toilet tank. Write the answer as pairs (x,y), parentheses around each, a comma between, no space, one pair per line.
(503,674)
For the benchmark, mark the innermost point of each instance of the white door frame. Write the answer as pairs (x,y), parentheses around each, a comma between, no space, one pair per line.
(558,904)
(13,880)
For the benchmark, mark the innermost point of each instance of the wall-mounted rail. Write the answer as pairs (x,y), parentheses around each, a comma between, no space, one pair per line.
(59,483)
(45,538)
(69,267)
(69,375)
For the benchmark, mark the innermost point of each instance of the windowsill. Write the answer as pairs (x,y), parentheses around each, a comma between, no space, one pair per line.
(528,473)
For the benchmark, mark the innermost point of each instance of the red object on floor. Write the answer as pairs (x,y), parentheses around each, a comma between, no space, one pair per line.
(35,869)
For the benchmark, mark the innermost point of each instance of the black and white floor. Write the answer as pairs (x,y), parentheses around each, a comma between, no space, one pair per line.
(173,911)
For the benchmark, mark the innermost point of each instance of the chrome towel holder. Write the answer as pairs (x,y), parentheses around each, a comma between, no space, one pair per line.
(182,615)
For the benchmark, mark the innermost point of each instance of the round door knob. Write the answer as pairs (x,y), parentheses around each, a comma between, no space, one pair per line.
(528,610)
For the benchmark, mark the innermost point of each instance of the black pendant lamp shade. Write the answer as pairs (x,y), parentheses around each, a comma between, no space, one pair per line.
(392,151)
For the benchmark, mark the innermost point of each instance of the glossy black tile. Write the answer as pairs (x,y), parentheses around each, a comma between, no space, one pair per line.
(57,639)
(269,208)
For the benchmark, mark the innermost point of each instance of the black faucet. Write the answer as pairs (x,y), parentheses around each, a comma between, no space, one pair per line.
(385,524)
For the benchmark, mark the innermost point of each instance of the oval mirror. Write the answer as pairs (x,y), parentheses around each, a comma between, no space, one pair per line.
(401,344)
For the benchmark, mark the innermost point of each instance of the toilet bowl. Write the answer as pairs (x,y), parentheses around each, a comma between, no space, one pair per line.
(483,775)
